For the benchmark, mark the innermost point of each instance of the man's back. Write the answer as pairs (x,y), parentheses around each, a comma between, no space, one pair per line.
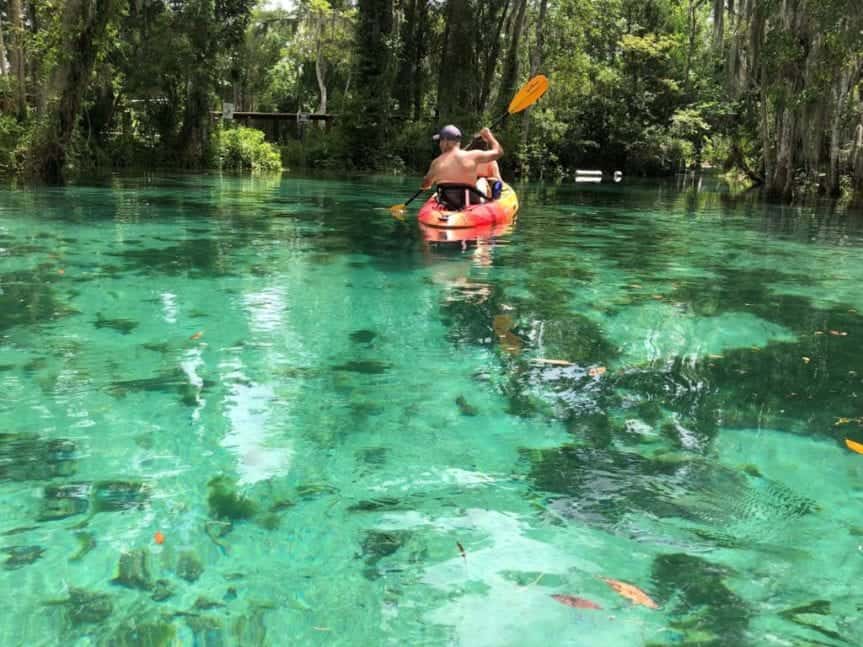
(455,167)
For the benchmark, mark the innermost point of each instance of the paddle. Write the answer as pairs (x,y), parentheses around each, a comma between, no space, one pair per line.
(529,94)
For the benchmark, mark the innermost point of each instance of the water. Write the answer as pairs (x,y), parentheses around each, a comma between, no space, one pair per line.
(318,412)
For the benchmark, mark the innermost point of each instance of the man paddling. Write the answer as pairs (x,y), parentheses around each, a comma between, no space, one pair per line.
(454,171)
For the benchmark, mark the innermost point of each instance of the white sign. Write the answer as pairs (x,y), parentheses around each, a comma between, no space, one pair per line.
(228,111)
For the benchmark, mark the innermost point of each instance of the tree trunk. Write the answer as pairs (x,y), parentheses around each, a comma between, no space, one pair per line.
(458,91)
(493,55)
(84,23)
(718,25)
(403,91)
(781,185)
(509,75)
(370,127)
(535,66)
(321,74)
(692,15)
(2,50)
(194,135)
(420,53)
(858,162)
(16,56)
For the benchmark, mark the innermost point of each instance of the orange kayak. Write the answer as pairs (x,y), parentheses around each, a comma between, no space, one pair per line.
(464,234)
(490,214)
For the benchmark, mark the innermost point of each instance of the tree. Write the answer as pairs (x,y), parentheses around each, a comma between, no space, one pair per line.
(369,122)
(83,27)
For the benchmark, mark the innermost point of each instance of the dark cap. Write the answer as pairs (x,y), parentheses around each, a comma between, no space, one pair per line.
(448,132)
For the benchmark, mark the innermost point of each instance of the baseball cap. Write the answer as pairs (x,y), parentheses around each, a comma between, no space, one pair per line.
(448,132)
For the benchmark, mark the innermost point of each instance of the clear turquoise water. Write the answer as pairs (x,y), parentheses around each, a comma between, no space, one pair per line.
(316,409)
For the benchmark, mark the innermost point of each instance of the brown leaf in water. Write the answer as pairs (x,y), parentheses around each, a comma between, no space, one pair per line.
(841,421)
(197,335)
(631,592)
(575,602)
(806,360)
(838,333)
(502,324)
(596,371)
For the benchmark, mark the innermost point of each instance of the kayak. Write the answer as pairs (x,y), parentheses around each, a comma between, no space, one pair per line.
(489,214)
(464,234)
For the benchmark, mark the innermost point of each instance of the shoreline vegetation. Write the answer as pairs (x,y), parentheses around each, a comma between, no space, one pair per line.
(768,95)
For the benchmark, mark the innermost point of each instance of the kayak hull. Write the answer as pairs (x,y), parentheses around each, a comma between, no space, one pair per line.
(490,214)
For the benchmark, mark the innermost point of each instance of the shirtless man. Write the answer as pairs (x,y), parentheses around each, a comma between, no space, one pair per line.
(455,170)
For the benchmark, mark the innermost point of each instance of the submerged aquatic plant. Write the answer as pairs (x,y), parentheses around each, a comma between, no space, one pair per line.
(225,503)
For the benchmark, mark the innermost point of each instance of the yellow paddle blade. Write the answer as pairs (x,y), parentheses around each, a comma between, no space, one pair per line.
(398,211)
(854,447)
(529,94)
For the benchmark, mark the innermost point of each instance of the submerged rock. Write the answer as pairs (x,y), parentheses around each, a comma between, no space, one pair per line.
(137,631)
(62,501)
(86,543)
(207,630)
(250,629)
(202,604)
(113,496)
(162,590)
(378,544)
(86,607)
(133,570)
(189,566)
(28,457)
(21,556)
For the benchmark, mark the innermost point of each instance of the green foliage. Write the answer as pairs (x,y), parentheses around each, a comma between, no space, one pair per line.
(241,148)
(656,151)
(11,133)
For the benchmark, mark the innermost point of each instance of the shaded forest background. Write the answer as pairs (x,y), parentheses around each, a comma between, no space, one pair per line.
(767,90)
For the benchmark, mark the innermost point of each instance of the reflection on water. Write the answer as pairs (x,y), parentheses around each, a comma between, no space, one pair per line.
(347,429)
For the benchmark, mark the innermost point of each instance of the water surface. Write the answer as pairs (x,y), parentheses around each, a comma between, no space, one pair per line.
(347,436)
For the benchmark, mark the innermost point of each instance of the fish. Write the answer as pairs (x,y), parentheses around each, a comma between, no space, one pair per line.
(551,362)
(631,593)
(575,602)
(465,408)
(461,550)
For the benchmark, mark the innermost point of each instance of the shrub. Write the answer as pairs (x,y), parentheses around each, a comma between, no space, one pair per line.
(242,148)
(11,133)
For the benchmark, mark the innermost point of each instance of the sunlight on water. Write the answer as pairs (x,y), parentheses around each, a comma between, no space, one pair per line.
(262,412)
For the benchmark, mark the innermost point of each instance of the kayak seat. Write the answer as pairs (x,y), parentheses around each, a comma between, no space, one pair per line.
(456,197)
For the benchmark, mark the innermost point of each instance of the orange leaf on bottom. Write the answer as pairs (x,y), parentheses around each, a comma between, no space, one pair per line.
(575,602)
(631,592)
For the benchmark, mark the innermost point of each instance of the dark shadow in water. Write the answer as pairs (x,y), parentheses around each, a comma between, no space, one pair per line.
(28,457)
(703,610)
(27,297)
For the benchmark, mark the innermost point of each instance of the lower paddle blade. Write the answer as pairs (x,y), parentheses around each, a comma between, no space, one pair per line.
(529,94)
(398,209)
